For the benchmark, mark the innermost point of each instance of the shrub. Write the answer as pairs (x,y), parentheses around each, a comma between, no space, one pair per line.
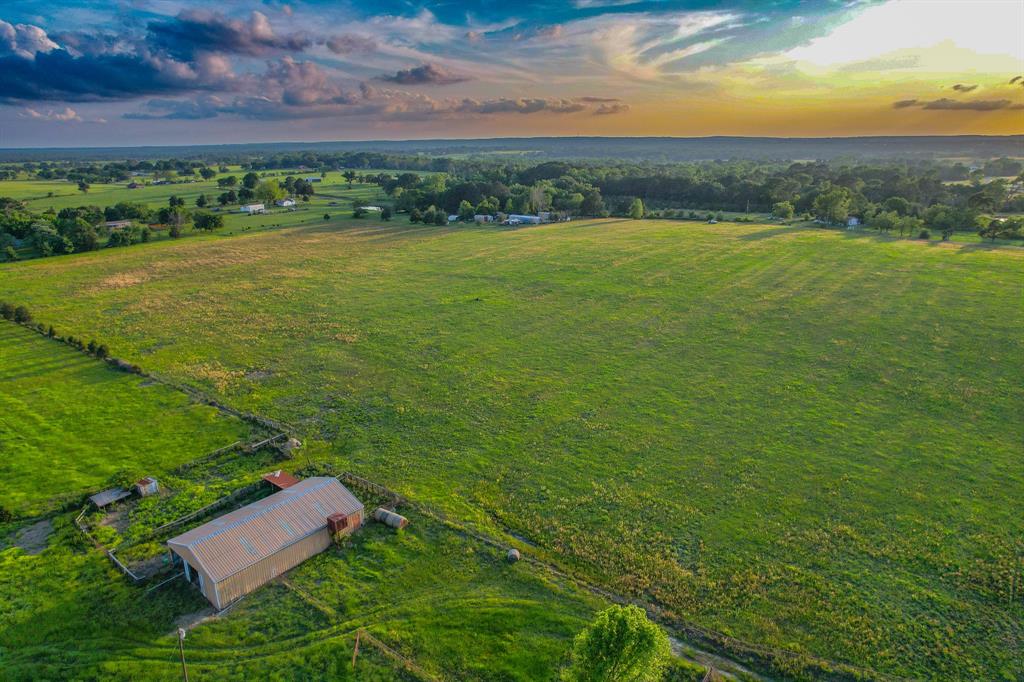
(10,254)
(22,315)
(6,310)
(924,234)
(51,332)
(102,352)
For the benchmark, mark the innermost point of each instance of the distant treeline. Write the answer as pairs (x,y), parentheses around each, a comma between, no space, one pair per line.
(657,149)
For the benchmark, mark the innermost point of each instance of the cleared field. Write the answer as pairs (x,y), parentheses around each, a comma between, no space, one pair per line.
(804,438)
(68,423)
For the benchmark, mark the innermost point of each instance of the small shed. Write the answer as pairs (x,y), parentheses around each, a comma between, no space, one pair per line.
(147,486)
(280,479)
(109,496)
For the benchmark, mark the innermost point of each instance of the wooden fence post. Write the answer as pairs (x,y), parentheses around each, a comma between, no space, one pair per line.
(355,651)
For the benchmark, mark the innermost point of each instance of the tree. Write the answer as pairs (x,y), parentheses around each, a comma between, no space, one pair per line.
(229,181)
(592,204)
(83,186)
(207,173)
(359,212)
(783,210)
(10,254)
(466,211)
(883,221)
(620,645)
(201,201)
(385,213)
(910,225)
(269,191)
(833,205)
(992,230)
(22,315)
(415,216)
(636,209)
(350,177)
(208,221)
(6,310)
(250,180)
(327,216)
(175,201)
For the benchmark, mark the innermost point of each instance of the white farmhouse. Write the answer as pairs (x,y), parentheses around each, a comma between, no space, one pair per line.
(253,209)
(285,202)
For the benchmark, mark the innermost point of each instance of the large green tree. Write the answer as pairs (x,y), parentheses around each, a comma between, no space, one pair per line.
(620,645)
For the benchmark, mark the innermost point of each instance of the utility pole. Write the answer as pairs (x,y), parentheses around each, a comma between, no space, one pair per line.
(181,650)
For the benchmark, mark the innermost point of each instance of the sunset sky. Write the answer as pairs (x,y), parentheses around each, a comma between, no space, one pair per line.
(84,72)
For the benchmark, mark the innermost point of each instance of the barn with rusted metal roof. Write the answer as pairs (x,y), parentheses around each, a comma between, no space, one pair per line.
(242,550)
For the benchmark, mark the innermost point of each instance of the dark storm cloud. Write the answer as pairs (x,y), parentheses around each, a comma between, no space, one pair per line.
(59,76)
(195,31)
(425,74)
(963,87)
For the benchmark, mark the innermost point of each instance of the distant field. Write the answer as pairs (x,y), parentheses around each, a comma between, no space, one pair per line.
(804,438)
(68,423)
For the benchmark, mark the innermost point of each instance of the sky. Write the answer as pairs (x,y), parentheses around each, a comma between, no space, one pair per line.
(135,72)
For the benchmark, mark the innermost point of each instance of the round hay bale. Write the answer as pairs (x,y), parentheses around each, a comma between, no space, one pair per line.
(513,555)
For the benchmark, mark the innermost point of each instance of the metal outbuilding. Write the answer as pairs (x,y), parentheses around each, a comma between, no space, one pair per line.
(109,496)
(240,551)
(147,486)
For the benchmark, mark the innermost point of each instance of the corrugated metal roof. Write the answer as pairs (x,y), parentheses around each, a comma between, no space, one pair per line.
(102,499)
(281,479)
(241,538)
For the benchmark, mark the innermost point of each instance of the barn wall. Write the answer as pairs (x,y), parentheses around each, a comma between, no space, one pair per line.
(265,570)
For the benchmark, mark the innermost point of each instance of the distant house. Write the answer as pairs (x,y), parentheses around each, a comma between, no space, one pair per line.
(115,225)
(452,218)
(252,209)
(852,222)
(313,178)
(483,218)
(377,209)
(133,185)
(238,552)
(285,202)
(524,219)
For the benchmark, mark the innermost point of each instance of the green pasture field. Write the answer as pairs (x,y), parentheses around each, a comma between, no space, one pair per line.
(803,438)
(66,194)
(68,423)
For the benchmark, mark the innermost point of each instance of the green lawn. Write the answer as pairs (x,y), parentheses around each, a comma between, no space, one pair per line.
(804,438)
(68,423)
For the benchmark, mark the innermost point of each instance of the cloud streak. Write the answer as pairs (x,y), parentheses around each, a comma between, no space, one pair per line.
(425,74)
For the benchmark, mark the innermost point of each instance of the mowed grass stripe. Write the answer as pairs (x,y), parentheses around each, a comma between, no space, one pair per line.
(69,422)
